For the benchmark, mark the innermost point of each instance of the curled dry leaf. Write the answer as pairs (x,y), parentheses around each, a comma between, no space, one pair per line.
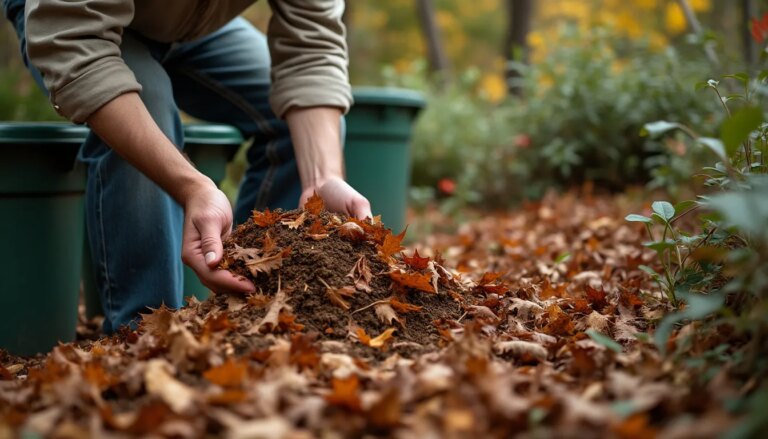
(598,322)
(160,381)
(387,314)
(337,295)
(352,232)
(483,312)
(361,275)
(376,342)
(271,319)
(296,223)
(402,306)
(519,349)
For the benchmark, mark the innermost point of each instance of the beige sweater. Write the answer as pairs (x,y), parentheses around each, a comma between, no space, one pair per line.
(76,46)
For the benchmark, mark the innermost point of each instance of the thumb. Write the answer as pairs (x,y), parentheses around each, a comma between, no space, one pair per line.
(210,242)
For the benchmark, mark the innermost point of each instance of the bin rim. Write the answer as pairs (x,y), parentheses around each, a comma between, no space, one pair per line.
(392,96)
(212,134)
(42,133)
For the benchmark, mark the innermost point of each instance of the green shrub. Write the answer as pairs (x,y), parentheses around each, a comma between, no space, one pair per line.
(717,273)
(579,120)
(22,99)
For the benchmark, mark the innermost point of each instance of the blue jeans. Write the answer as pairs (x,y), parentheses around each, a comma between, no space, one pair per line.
(134,228)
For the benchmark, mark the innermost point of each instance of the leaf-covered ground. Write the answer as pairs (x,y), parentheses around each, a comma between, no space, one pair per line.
(534,323)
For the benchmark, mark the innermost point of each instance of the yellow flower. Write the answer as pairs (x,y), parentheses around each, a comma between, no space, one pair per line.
(494,87)
(674,19)
(701,5)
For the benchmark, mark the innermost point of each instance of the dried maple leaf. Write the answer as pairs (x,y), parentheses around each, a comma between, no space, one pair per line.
(416,262)
(345,393)
(230,374)
(337,295)
(391,245)
(267,264)
(376,342)
(402,306)
(361,275)
(559,322)
(387,314)
(317,230)
(265,218)
(418,281)
(296,223)
(268,245)
(596,297)
(314,204)
(373,232)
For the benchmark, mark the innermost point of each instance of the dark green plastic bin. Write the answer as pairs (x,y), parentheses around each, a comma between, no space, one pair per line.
(377,149)
(210,147)
(41,230)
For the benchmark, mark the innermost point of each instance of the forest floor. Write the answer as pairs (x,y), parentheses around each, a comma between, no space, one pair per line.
(531,323)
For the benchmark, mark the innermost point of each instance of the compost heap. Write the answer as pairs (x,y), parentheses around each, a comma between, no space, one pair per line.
(338,278)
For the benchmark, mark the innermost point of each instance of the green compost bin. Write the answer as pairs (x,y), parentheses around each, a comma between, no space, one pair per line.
(210,147)
(376,151)
(41,230)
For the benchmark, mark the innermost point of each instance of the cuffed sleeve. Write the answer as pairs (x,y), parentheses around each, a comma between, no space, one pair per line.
(309,55)
(75,44)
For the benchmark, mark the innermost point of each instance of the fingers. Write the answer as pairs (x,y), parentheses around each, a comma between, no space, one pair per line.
(210,242)
(360,208)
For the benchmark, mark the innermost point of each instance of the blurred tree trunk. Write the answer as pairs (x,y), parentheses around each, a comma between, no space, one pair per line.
(438,62)
(519,14)
(748,10)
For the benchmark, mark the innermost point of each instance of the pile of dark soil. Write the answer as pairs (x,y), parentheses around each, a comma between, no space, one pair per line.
(338,277)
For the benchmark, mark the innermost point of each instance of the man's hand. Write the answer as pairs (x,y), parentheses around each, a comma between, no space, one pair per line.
(339,197)
(126,125)
(316,136)
(207,220)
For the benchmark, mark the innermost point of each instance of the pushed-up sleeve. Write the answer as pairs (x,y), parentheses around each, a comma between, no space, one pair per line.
(309,55)
(75,44)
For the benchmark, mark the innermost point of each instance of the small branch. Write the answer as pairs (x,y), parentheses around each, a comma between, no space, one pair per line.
(378,302)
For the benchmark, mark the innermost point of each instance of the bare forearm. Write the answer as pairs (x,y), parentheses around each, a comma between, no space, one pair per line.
(316,136)
(127,127)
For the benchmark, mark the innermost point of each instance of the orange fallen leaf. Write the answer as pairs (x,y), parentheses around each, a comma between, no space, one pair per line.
(391,244)
(317,230)
(416,262)
(345,393)
(418,281)
(596,297)
(376,342)
(265,218)
(230,374)
(303,352)
(402,306)
(314,204)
